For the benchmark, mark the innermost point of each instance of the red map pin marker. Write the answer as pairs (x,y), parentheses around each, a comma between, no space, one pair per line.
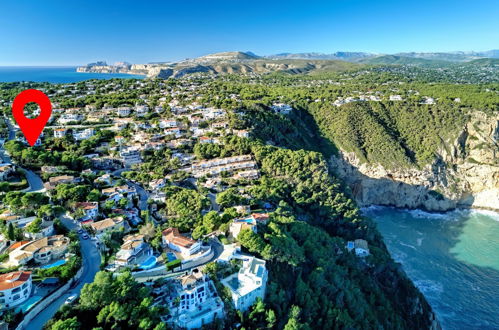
(32,128)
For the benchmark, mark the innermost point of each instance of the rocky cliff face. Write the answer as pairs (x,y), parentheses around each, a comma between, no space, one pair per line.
(465,173)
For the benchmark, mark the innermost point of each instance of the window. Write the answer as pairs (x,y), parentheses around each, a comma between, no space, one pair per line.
(17,296)
(25,285)
(16,290)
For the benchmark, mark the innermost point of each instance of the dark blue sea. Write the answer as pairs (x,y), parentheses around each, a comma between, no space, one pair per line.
(53,74)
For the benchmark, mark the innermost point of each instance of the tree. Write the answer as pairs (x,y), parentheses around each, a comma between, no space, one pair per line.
(11,235)
(148,230)
(229,197)
(293,319)
(35,226)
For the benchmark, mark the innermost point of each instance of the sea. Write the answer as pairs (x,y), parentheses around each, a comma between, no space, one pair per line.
(53,74)
(453,258)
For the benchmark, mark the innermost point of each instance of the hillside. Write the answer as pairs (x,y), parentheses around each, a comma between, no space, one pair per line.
(403,60)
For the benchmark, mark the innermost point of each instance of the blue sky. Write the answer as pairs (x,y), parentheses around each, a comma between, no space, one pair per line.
(66,33)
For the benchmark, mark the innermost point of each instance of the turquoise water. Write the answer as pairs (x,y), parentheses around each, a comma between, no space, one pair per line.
(28,304)
(453,258)
(55,264)
(149,263)
(53,74)
(171,256)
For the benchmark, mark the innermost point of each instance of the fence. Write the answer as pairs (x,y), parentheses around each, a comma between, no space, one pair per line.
(47,301)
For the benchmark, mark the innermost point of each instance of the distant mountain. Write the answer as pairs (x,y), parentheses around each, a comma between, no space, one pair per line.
(343,56)
(459,56)
(227,56)
(247,62)
(453,56)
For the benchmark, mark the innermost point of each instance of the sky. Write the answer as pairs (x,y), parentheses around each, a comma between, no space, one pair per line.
(74,33)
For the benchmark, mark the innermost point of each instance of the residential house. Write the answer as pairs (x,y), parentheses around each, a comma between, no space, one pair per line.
(141,110)
(90,209)
(46,229)
(281,108)
(133,251)
(199,302)
(84,134)
(168,123)
(15,288)
(5,171)
(174,240)
(250,222)
(60,132)
(54,181)
(248,284)
(108,225)
(360,247)
(130,156)
(40,251)
(123,111)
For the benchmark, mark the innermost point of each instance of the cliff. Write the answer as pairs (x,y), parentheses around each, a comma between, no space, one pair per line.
(465,173)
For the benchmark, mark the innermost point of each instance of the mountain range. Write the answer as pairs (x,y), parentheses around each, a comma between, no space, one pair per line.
(237,62)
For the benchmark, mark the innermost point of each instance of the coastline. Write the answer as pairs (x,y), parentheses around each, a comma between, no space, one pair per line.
(421,213)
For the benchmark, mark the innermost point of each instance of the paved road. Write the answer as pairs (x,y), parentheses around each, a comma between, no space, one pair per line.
(91,264)
(213,201)
(35,182)
(143,194)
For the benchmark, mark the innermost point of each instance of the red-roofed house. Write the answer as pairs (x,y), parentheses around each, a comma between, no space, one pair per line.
(15,288)
(178,242)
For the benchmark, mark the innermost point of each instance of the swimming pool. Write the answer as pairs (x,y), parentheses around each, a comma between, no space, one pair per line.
(28,304)
(149,263)
(55,264)
(247,220)
(171,256)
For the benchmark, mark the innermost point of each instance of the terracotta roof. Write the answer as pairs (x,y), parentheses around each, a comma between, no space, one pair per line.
(173,235)
(86,205)
(17,244)
(260,216)
(13,279)
(106,223)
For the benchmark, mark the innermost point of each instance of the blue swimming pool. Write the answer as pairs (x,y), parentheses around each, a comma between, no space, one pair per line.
(171,256)
(55,264)
(28,304)
(149,263)
(247,220)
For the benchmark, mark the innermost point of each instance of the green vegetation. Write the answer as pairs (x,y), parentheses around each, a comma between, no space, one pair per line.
(111,303)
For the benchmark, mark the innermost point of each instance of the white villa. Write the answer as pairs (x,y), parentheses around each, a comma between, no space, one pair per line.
(199,302)
(15,288)
(133,250)
(248,284)
(130,156)
(282,108)
(178,242)
(360,246)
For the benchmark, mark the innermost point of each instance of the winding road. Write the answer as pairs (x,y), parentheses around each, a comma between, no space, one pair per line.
(91,264)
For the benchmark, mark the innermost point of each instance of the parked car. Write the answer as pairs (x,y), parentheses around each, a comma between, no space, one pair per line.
(85,236)
(71,299)
(80,231)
